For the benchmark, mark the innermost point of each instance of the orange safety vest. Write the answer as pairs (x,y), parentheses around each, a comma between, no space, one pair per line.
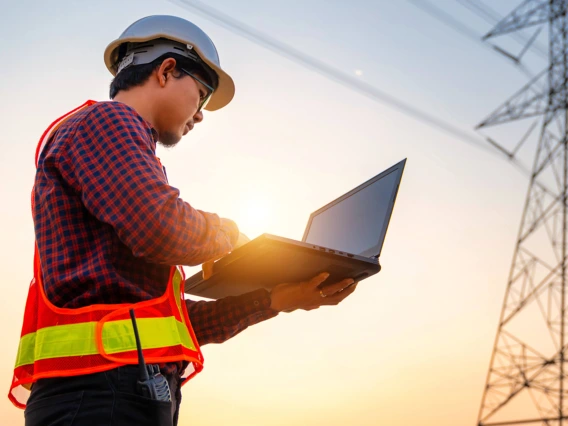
(59,342)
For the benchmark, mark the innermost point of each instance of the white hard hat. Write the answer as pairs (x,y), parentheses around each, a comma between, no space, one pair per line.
(169,34)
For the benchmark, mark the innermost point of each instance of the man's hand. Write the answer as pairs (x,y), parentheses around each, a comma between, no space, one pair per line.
(207,267)
(308,295)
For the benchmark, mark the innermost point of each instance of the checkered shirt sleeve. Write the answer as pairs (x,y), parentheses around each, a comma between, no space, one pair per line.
(122,183)
(219,320)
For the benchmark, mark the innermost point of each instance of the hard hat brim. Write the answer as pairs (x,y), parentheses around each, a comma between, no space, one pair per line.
(222,95)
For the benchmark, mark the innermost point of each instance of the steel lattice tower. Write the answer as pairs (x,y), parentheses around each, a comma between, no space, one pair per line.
(529,365)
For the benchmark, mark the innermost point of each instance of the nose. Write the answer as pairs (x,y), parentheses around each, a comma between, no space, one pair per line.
(198,117)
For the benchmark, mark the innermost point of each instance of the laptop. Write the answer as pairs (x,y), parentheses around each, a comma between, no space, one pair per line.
(344,238)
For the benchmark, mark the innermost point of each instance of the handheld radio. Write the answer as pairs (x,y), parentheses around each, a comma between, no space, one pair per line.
(151,384)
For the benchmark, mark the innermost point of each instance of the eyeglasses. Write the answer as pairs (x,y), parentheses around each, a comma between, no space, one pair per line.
(203,99)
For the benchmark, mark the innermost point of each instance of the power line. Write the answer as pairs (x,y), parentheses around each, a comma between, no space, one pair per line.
(489,15)
(447,19)
(336,75)
(450,21)
(330,72)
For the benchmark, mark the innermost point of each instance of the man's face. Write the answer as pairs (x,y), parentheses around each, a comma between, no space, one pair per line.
(179,99)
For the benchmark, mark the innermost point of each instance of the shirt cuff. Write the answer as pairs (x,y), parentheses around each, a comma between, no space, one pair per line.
(259,302)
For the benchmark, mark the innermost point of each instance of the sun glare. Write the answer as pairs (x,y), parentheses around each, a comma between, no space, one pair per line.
(254,216)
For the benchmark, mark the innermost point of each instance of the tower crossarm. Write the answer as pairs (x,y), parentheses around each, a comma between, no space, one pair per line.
(530,101)
(528,14)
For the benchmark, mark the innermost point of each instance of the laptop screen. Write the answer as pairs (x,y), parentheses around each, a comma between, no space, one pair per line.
(357,222)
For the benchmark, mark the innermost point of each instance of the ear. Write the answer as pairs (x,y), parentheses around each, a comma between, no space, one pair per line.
(163,73)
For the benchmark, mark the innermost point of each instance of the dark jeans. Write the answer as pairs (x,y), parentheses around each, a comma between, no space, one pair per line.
(101,399)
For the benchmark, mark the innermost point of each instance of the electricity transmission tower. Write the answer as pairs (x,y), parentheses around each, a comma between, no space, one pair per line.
(527,379)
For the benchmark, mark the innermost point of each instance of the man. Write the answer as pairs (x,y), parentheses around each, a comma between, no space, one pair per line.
(109,232)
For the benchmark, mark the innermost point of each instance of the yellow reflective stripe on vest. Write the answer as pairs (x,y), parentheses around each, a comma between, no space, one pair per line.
(118,336)
(176,284)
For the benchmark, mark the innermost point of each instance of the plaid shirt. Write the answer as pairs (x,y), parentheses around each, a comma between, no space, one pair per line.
(108,225)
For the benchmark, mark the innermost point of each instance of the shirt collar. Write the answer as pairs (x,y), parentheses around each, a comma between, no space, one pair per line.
(151,130)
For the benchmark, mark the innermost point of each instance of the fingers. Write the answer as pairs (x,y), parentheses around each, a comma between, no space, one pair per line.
(207,269)
(318,279)
(331,289)
(340,295)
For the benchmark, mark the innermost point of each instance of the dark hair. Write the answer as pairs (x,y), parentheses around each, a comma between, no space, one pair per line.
(138,74)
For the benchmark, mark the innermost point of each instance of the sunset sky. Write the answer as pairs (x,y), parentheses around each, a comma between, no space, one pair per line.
(412,345)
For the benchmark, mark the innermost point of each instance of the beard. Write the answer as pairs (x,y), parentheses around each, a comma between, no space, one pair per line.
(169,139)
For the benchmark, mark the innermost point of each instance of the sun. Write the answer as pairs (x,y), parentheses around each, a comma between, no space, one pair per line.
(254,216)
